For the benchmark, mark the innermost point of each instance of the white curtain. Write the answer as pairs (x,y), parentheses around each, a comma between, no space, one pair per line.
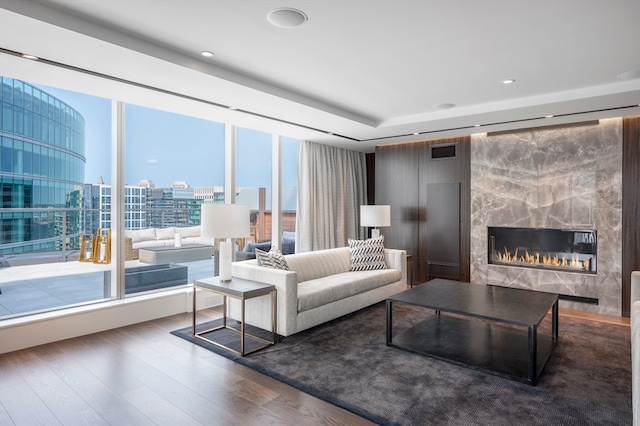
(332,185)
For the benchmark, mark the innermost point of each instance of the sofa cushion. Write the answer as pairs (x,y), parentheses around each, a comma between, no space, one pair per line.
(322,291)
(145,234)
(165,233)
(319,263)
(367,255)
(189,231)
(272,259)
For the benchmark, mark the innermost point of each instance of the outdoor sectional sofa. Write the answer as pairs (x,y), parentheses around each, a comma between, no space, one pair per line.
(318,287)
(155,237)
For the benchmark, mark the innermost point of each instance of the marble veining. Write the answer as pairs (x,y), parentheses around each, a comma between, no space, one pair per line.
(565,178)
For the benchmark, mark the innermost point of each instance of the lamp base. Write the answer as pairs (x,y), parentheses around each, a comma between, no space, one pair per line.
(225,261)
(375,233)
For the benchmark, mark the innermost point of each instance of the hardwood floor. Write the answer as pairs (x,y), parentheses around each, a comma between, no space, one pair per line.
(142,375)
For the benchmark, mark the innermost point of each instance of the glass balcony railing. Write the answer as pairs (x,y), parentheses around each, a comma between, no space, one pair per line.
(40,270)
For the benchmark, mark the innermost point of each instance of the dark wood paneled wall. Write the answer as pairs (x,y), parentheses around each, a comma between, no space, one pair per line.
(402,173)
(630,206)
(371,178)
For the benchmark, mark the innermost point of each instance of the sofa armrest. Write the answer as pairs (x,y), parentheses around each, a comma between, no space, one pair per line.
(286,283)
(129,252)
(635,286)
(397,259)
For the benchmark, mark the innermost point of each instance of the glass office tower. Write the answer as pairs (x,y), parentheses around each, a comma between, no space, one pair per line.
(42,162)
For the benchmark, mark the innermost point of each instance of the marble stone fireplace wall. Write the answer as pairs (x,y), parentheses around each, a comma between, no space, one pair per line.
(565,178)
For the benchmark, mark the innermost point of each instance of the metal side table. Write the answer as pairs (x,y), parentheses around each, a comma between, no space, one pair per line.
(242,290)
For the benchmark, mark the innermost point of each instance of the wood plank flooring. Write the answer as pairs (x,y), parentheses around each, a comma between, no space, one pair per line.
(142,375)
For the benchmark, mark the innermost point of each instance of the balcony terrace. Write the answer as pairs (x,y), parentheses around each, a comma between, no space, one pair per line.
(35,288)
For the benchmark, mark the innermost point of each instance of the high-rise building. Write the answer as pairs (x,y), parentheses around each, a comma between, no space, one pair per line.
(135,213)
(42,161)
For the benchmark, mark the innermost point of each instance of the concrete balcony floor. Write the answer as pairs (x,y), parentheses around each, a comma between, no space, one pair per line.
(48,286)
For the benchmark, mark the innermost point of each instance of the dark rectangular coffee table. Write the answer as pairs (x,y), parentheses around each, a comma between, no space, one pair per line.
(488,328)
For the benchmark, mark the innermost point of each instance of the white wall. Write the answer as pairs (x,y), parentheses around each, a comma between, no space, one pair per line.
(50,327)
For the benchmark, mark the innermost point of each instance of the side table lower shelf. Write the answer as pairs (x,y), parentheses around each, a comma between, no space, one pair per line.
(242,290)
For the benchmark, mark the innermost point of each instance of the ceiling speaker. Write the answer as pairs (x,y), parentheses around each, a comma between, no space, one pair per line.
(286,17)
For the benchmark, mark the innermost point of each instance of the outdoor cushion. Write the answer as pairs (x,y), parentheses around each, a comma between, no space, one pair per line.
(165,233)
(189,231)
(146,234)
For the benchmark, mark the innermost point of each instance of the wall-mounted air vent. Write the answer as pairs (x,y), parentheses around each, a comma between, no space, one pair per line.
(443,151)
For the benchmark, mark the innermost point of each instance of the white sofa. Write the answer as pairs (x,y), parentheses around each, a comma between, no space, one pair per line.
(635,345)
(318,288)
(154,237)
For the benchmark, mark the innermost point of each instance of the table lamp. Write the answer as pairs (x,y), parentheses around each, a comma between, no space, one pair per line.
(225,221)
(375,216)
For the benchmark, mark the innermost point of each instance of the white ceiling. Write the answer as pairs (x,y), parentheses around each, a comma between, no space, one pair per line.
(368,71)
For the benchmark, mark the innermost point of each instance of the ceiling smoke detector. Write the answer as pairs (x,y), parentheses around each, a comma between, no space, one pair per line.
(287,17)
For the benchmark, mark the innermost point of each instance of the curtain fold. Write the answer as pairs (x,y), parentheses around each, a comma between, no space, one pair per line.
(332,185)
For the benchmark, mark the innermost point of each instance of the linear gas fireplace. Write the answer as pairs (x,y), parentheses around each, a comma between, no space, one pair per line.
(555,249)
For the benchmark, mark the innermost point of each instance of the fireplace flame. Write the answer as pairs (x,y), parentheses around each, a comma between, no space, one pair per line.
(546,259)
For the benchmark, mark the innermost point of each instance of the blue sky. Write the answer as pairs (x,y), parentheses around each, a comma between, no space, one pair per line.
(166,147)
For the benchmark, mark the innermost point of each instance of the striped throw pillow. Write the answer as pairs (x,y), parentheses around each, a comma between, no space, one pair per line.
(367,255)
(272,259)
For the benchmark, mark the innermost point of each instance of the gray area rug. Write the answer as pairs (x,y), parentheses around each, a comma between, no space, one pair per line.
(587,380)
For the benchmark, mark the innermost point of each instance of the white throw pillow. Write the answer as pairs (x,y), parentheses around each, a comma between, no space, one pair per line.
(146,234)
(189,231)
(165,233)
(367,255)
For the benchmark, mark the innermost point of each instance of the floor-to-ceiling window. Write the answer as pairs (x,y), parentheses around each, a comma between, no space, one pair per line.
(253,179)
(56,155)
(289,161)
(55,144)
(173,164)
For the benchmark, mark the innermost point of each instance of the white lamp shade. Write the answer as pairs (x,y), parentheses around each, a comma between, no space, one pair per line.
(224,220)
(375,216)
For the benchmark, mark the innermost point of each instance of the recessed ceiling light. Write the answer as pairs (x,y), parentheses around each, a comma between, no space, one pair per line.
(233,107)
(287,17)
(32,57)
(443,106)
(206,53)
(548,116)
(476,125)
(508,81)
(416,133)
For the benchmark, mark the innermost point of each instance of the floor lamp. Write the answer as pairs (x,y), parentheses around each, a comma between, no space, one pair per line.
(375,216)
(225,221)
